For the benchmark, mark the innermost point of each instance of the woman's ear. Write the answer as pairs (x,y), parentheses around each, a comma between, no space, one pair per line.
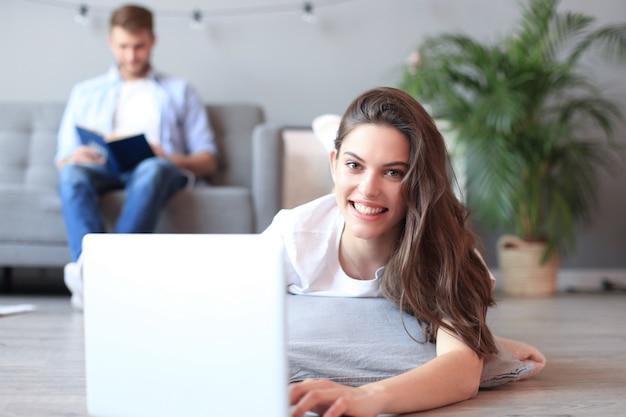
(332,161)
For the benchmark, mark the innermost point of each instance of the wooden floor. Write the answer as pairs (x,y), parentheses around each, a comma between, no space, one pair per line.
(583,337)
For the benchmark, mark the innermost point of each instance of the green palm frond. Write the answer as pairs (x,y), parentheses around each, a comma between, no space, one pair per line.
(535,129)
(610,41)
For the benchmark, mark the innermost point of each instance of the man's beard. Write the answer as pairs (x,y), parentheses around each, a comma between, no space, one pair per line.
(137,73)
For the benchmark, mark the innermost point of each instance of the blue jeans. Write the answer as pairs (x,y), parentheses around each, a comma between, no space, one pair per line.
(148,187)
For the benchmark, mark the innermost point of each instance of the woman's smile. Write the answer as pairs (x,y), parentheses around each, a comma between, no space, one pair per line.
(368,209)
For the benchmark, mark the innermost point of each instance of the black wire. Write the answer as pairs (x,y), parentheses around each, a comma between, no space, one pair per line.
(232,12)
(62,4)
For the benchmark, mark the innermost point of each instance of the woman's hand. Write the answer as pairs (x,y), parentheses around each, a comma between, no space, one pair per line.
(330,399)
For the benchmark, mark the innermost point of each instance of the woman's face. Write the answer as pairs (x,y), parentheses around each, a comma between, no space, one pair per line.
(368,174)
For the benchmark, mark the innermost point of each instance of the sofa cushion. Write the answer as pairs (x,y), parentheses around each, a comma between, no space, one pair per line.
(233,125)
(28,143)
(31,214)
(185,212)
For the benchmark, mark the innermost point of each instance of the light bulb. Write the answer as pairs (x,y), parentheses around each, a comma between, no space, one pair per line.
(82,15)
(307,12)
(196,20)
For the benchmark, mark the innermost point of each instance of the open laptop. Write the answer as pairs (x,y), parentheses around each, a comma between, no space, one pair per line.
(184,325)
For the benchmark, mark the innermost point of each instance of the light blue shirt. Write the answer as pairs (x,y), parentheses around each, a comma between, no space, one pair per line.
(184,125)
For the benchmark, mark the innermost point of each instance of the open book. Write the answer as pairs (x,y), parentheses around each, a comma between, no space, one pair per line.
(122,153)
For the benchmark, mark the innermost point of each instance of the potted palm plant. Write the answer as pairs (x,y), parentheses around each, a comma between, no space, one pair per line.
(533,126)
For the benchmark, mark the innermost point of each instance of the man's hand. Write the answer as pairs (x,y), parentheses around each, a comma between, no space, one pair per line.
(84,155)
(158,151)
(202,164)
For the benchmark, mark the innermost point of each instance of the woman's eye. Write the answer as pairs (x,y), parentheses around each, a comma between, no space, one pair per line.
(395,173)
(352,165)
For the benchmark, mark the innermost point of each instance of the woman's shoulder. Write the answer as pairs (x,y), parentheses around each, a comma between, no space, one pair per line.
(314,215)
(321,205)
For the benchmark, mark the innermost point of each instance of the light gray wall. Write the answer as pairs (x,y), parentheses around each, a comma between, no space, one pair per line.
(295,70)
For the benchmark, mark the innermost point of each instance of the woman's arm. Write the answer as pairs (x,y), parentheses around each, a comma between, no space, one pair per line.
(453,376)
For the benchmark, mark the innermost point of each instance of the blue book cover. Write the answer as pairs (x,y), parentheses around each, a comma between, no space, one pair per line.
(122,153)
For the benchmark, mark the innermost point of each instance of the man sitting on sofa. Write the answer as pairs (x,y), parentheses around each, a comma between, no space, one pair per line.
(131,98)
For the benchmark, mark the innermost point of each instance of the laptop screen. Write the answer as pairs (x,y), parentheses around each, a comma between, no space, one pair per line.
(176,325)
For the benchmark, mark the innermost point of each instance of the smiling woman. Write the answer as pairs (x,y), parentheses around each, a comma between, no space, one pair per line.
(392,228)
(368,188)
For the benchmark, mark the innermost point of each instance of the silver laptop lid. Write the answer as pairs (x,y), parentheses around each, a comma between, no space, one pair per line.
(182,325)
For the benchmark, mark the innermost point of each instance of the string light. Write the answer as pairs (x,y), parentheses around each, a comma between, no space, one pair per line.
(307,12)
(82,16)
(199,17)
(196,20)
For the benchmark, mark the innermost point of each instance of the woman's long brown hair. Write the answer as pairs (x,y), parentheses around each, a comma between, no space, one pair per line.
(434,272)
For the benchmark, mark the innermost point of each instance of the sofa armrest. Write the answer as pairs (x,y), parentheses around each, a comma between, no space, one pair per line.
(267,173)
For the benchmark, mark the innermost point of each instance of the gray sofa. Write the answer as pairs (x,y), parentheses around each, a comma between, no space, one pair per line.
(242,198)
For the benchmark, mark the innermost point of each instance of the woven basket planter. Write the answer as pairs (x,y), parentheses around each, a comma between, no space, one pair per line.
(521,270)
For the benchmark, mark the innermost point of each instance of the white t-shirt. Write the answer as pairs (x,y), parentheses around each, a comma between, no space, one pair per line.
(137,110)
(310,235)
